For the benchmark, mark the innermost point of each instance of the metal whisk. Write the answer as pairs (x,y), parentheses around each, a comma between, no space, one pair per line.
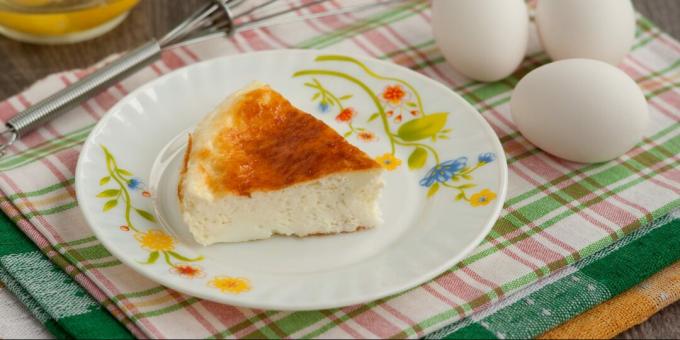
(215,18)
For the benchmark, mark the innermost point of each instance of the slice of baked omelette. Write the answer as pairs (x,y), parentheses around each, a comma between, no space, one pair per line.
(258,166)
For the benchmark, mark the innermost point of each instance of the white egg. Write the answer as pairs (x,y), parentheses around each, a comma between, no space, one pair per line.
(601,29)
(483,39)
(581,110)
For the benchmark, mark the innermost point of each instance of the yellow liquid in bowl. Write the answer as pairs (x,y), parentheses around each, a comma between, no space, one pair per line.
(59,17)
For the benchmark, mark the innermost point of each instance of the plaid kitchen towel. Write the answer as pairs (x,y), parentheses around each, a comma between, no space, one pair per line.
(528,312)
(54,298)
(557,212)
(624,311)
(576,288)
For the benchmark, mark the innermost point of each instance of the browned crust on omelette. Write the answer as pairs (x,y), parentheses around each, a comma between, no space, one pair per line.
(270,145)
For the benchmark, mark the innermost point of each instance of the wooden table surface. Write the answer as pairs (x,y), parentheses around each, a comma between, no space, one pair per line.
(22,64)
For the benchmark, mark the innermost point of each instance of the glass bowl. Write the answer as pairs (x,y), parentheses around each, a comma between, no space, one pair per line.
(61,21)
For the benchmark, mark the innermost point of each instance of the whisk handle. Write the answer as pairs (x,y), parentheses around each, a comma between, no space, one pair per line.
(69,97)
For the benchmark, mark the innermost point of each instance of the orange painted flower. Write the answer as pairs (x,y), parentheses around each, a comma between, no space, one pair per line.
(188,271)
(155,240)
(367,136)
(346,115)
(146,194)
(233,285)
(388,161)
(394,94)
(397,119)
(482,198)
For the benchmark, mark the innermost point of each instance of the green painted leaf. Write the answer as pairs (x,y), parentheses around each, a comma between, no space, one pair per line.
(373,117)
(184,258)
(446,130)
(468,177)
(444,137)
(467,186)
(361,129)
(110,205)
(146,215)
(152,258)
(417,158)
(123,172)
(109,193)
(460,196)
(316,96)
(455,178)
(104,180)
(348,133)
(433,190)
(345,97)
(423,127)
(411,104)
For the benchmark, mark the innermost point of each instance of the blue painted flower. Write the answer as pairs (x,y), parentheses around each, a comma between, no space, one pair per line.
(443,172)
(134,183)
(323,107)
(487,157)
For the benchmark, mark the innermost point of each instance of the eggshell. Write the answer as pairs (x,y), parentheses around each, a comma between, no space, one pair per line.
(581,110)
(483,39)
(600,29)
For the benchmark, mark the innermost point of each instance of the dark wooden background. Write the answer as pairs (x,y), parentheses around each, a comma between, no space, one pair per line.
(22,64)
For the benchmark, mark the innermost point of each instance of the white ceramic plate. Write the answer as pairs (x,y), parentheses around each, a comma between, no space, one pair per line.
(434,215)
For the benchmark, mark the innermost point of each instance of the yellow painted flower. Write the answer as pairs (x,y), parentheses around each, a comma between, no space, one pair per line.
(388,161)
(226,284)
(482,198)
(156,240)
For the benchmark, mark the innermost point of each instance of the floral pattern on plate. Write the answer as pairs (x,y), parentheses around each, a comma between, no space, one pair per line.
(401,115)
(118,184)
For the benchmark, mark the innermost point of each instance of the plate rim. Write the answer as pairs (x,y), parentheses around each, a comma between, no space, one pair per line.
(307,305)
